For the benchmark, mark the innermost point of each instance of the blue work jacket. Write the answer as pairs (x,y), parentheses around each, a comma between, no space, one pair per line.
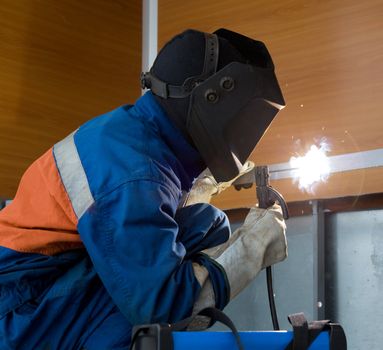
(95,240)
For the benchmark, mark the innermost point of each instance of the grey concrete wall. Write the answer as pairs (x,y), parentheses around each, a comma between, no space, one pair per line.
(354,286)
(354,279)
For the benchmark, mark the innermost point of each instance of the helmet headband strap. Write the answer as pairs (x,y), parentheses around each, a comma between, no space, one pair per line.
(165,90)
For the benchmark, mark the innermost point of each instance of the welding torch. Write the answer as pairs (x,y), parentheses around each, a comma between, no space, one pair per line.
(267,196)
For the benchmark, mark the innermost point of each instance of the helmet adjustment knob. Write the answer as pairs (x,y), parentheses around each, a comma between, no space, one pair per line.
(211,96)
(227,83)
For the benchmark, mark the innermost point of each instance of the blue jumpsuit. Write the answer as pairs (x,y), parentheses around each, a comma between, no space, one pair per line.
(95,242)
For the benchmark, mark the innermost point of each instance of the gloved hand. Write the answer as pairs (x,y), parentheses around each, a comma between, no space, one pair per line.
(205,186)
(258,243)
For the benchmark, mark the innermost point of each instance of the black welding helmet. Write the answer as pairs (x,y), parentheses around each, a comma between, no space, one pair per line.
(229,108)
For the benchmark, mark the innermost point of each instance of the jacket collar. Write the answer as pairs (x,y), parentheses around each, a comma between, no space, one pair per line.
(190,163)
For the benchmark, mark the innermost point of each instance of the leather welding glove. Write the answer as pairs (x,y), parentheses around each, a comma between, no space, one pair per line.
(258,243)
(205,186)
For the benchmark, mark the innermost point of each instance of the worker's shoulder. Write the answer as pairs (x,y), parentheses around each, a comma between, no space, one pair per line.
(117,148)
(115,137)
(117,125)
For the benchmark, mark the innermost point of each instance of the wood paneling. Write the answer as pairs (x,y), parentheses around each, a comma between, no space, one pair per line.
(328,57)
(61,63)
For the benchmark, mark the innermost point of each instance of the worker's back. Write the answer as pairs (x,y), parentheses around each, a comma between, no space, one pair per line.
(39,239)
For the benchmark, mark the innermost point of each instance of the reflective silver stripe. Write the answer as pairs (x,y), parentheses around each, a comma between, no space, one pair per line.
(73,175)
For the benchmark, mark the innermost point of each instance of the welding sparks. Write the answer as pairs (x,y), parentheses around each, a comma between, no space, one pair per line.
(312,167)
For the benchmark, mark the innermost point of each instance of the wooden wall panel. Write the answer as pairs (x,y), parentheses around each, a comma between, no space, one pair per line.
(61,63)
(328,57)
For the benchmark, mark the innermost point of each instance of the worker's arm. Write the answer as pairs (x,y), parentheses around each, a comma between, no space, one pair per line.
(201,226)
(132,238)
(258,243)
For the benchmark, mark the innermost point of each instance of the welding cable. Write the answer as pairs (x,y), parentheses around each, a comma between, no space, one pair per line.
(270,292)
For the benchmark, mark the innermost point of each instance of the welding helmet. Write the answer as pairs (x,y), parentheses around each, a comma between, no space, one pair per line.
(226,107)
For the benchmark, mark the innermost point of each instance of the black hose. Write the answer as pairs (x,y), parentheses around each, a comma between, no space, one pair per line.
(270,292)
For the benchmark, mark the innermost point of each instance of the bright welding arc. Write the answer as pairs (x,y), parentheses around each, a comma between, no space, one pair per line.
(312,168)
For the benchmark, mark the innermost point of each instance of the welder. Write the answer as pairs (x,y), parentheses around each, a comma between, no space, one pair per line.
(102,235)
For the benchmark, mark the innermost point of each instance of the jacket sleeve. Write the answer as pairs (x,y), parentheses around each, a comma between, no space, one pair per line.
(201,226)
(131,237)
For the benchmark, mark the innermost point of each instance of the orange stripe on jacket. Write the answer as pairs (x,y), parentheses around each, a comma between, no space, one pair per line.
(40,219)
